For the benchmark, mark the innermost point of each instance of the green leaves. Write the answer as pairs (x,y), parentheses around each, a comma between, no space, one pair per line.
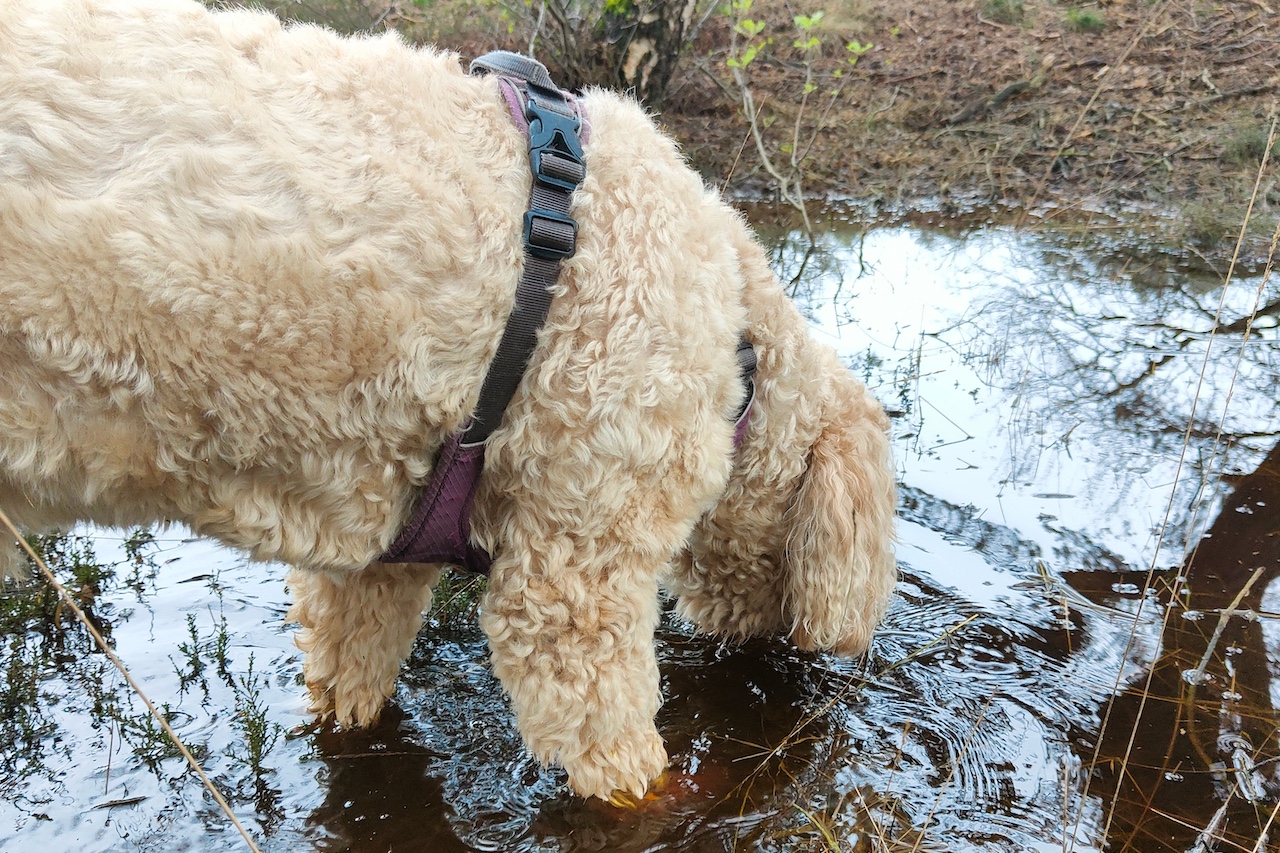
(807,40)
(743,59)
(856,49)
(805,23)
(748,28)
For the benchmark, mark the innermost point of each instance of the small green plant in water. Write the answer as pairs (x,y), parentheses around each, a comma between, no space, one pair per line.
(259,734)
(192,670)
(139,550)
(43,638)
(221,646)
(23,726)
(148,740)
(75,563)
(32,607)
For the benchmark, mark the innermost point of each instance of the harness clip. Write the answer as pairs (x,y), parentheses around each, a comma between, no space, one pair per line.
(549,234)
(553,132)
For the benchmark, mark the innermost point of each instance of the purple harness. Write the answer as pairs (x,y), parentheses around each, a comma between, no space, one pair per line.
(439,531)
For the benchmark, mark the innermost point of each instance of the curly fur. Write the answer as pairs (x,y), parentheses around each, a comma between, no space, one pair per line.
(252,278)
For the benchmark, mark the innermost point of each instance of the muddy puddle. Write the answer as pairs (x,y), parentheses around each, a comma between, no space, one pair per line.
(1079,657)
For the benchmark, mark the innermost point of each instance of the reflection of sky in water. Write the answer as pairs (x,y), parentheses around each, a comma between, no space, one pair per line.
(1000,353)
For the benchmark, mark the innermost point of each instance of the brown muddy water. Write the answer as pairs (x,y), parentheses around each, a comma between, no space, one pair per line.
(1080,655)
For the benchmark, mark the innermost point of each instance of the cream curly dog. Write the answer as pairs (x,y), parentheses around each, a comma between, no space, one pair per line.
(252,278)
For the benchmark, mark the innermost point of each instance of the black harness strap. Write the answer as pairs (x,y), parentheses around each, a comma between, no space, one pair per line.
(550,234)
(439,531)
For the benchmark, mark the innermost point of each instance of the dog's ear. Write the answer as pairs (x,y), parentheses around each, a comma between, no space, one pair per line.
(839,562)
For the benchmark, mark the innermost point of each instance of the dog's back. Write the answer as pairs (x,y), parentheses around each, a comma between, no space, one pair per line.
(250,275)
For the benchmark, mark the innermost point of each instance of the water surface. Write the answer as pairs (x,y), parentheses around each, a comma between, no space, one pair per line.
(1079,655)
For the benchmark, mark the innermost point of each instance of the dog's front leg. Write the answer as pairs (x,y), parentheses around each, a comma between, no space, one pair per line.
(356,631)
(571,635)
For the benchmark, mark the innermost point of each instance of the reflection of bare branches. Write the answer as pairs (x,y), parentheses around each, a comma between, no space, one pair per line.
(1107,345)
(804,264)
(1152,367)
(1240,326)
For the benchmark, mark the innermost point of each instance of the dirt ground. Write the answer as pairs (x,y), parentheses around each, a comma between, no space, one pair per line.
(1159,109)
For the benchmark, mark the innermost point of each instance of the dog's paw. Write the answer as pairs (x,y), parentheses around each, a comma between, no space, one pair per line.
(360,708)
(319,701)
(621,772)
(353,697)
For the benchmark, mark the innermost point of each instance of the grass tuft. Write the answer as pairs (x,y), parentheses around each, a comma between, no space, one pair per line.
(1004,11)
(1246,146)
(1085,20)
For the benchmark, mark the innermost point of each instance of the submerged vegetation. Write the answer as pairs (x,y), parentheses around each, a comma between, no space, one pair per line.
(53,666)
(41,638)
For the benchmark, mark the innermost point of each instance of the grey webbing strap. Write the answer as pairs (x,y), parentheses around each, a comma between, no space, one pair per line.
(511,64)
(550,234)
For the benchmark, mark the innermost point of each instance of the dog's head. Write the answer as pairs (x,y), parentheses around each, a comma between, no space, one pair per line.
(801,540)
(837,557)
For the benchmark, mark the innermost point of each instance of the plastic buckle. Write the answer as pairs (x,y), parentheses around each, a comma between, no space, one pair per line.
(549,129)
(542,250)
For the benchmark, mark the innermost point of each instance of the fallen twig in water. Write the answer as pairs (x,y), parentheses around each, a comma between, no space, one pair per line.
(945,635)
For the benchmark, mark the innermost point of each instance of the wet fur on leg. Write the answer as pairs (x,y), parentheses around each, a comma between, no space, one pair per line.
(356,630)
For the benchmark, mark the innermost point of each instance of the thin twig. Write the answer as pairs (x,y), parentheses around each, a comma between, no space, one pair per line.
(67,599)
(943,636)
(537,27)
(1266,830)
(746,137)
